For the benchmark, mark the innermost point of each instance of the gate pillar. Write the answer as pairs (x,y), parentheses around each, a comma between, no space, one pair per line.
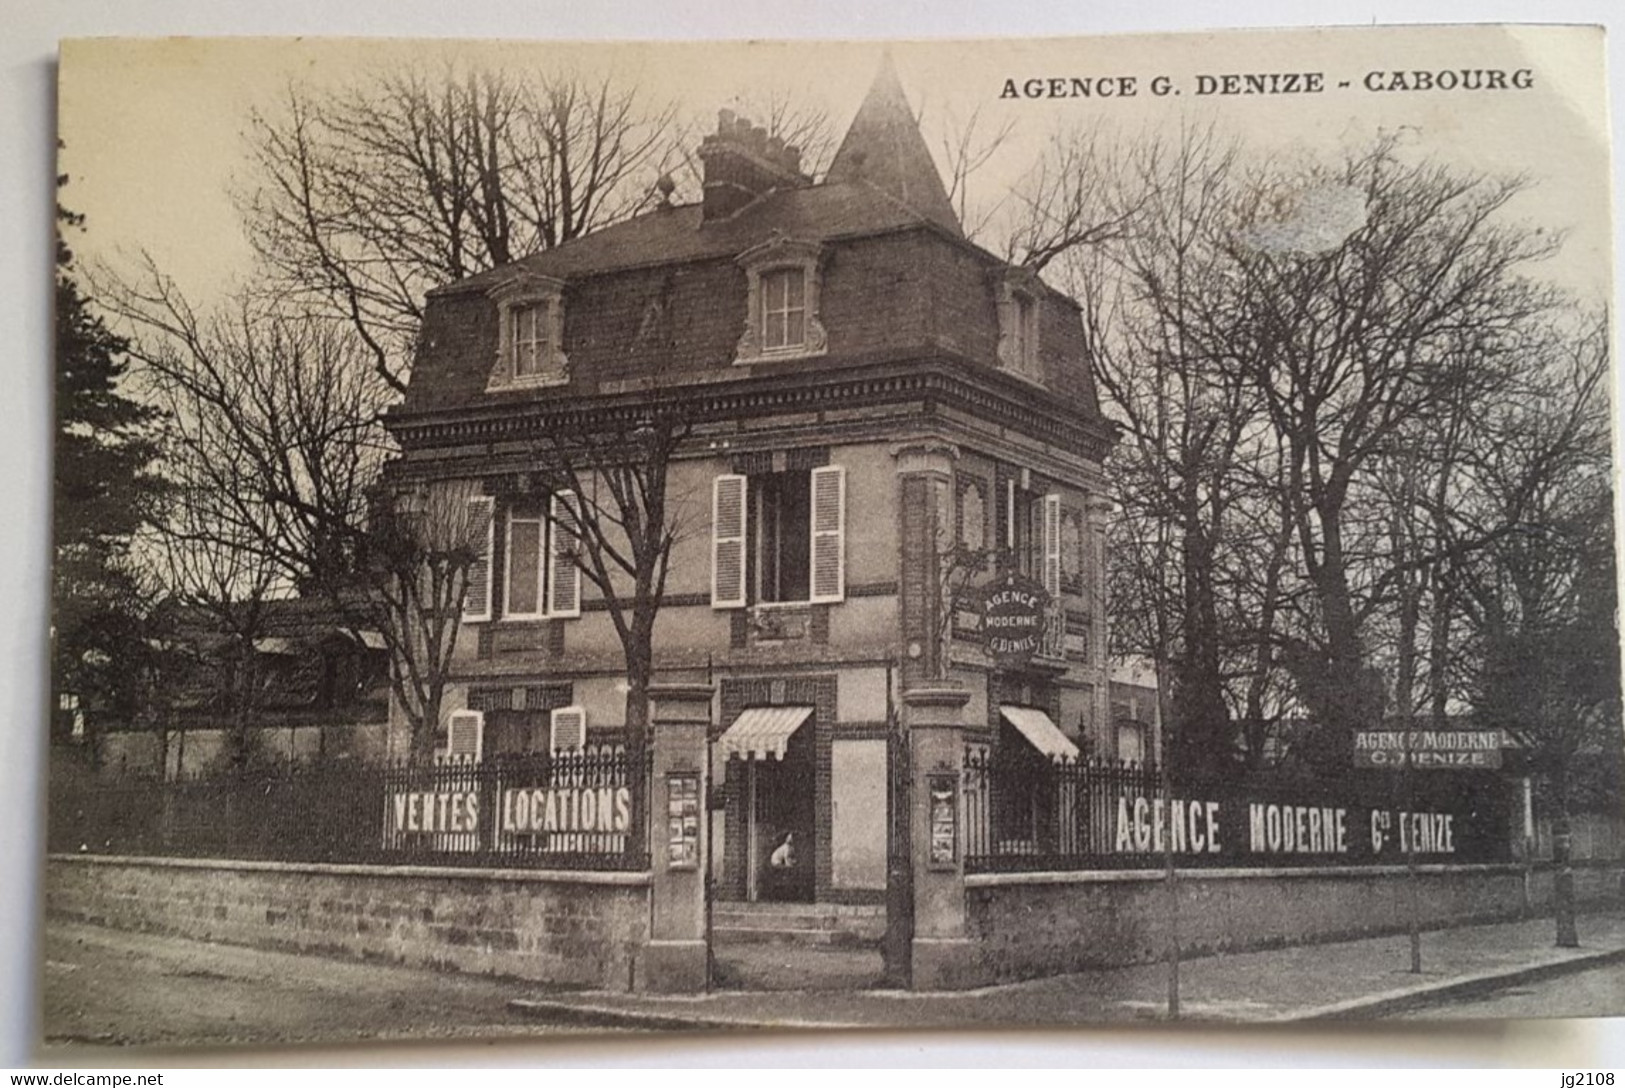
(942,955)
(676,958)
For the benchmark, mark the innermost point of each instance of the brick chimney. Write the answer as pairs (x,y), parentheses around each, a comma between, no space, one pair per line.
(742,162)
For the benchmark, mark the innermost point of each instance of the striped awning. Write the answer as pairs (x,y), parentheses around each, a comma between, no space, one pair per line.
(763,731)
(1040,731)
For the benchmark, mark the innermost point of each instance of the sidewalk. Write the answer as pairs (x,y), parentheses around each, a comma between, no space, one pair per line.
(1350,980)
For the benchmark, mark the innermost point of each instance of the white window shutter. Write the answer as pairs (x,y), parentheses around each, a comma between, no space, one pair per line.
(1052,545)
(477,597)
(465,737)
(564,586)
(728,542)
(828,534)
(1010,514)
(568,732)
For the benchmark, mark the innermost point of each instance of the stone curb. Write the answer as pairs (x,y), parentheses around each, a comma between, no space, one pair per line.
(579,1014)
(1393,1001)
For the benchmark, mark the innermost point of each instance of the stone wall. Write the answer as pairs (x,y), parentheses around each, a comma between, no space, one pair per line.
(1031,924)
(581,929)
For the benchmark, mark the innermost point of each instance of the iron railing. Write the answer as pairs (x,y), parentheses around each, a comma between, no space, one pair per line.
(576,810)
(1026,813)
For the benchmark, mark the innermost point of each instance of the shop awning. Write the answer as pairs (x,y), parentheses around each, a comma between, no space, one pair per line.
(763,731)
(1040,731)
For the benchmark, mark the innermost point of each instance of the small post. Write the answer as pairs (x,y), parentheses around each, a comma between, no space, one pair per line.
(1171,881)
(1407,845)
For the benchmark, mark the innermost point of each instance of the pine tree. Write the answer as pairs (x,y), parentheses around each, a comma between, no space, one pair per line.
(105,490)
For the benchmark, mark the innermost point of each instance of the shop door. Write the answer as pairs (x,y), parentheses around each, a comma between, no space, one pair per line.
(784,829)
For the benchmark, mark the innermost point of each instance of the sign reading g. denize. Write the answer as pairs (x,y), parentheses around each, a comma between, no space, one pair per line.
(1013,612)
(1429,749)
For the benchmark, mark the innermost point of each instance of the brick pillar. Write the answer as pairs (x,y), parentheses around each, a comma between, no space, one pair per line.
(926,532)
(942,956)
(676,957)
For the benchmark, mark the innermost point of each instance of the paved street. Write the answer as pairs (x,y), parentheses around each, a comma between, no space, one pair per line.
(1598,992)
(108,987)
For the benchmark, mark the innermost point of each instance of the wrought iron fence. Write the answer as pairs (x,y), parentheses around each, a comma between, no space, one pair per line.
(1026,813)
(577,810)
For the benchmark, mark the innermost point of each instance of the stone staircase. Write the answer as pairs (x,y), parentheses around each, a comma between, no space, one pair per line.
(797,946)
(812,925)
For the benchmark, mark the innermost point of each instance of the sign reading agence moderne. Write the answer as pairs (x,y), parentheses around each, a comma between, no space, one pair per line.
(1257,831)
(1013,612)
(1430,749)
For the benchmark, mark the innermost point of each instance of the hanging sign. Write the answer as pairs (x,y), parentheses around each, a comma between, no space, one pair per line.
(1014,610)
(1430,749)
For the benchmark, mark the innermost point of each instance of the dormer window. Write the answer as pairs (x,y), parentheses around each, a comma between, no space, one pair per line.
(531,343)
(1019,292)
(782,288)
(784,309)
(530,349)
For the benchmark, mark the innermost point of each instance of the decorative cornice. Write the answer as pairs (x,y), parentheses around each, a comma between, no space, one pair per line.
(940,381)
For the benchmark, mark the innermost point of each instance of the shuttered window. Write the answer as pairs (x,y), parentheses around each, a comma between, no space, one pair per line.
(779,537)
(564,588)
(828,534)
(465,737)
(482,528)
(527,529)
(728,541)
(568,729)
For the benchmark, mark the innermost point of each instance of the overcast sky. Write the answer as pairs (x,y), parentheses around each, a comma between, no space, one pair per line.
(153,129)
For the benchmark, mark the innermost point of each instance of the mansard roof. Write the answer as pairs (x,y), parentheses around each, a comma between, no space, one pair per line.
(676,235)
(881,179)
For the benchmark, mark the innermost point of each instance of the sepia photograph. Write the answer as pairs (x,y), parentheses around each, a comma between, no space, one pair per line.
(620,538)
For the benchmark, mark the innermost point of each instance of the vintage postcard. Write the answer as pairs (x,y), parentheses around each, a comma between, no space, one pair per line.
(661,536)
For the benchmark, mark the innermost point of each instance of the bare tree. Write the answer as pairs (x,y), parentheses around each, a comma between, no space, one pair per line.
(277,434)
(280,407)
(418,555)
(1540,600)
(364,197)
(1356,282)
(1079,195)
(1142,246)
(611,463)
(212,587)
(967,146)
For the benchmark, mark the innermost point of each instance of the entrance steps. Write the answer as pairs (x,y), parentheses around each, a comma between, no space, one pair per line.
(816,925)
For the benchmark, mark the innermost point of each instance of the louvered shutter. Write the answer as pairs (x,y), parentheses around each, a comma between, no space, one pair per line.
(564,585)
(568,731)
(465,737)
(1052,545)
(828,534)
(728,542)
(477,597)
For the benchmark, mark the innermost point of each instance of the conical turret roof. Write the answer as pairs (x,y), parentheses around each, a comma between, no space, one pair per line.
(883,148)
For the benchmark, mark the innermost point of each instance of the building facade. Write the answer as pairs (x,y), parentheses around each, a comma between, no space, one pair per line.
(884,420)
